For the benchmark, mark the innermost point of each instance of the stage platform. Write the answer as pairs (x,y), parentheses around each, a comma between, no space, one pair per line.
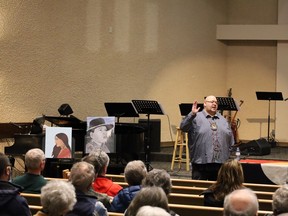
(162,160)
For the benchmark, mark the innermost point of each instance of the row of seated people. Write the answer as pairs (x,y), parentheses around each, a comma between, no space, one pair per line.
(135,172)
(198,183)
(147,199)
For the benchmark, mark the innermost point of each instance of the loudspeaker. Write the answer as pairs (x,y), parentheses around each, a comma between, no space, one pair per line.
(256,147)
(65,109)
(155,133)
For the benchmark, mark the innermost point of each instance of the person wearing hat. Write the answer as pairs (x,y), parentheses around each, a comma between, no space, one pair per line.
(98,133)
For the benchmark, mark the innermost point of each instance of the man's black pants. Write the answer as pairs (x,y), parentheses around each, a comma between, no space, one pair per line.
(205,171)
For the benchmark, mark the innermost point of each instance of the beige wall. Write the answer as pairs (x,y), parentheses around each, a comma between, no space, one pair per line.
(251,67)
(282,76)
(89,52)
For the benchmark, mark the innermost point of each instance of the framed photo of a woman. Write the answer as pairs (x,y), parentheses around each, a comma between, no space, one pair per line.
(58,142)
(100,134)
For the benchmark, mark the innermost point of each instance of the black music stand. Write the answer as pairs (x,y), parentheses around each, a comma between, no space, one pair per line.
(148,107)
(269,96)
(185,108)
(226,103)
(120,110)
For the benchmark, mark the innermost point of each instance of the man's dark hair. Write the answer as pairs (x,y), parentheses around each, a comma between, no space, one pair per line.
(4,162)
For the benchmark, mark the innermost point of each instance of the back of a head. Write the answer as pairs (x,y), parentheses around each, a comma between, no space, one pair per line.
(152,196)
(33,158)
(4,162)
(159,178)
(241,202)
(230,177)
(280,200)
(134,172)
(82,175)
(99,159)
(58,197)
(152,211)
(231,173)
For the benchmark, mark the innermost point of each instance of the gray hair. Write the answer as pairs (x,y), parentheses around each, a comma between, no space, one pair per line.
(241,202)
(33,158)
(82,175)
(280,200)
(152,196)
(58,197)
(159,178)
(134,172)
(152,211)
(99,159)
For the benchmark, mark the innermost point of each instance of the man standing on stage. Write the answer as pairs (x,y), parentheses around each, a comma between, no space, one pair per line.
(209,138)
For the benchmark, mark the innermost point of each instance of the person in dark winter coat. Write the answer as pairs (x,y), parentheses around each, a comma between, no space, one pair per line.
(81,176)
(134,172)
(11,203)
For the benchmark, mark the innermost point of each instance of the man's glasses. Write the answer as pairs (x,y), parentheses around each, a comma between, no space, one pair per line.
(212,102)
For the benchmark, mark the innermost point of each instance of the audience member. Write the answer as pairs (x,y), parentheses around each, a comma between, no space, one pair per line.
(32,181)
(152,211)
(280,201)
(230,177)
(11,203)
(134,172)
(159,178)
(100,160)
(152,196)
(82,175)
(57,198)
(241,202)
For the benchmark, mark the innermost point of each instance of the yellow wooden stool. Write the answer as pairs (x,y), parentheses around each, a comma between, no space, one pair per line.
(181,141)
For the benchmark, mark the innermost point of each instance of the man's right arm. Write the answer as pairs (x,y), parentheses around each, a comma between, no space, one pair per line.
(186,123)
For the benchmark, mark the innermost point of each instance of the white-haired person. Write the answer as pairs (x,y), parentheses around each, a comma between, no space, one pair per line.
(81,176)
(152,211)
(134,172)
(280,201)
(159,178)
(32,181)
(57,198)
(241,202)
